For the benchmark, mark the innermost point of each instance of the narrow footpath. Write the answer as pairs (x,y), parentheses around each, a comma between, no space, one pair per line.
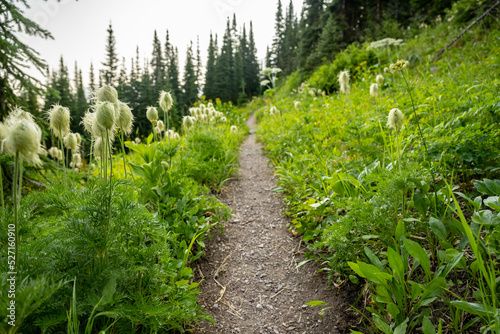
(251,281)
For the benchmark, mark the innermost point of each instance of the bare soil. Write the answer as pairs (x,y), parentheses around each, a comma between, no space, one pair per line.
(251,281)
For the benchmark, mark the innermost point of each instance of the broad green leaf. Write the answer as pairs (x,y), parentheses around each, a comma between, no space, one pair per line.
(400,230)
(493,186)
(474,308)
(427,326)
(396,263)
(373,274)
(381,324)
(355,268)
(316,303)
(401,329)
(438,228)
(420,202)
(108,291)
(373,258)
(393,310)
(455,259)
(492,202)
(182,283)
(415,250)
(193,285)
(431,291)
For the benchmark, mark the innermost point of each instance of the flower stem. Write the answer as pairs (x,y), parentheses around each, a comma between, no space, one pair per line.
(123,153)
(1,194)
(16,207)
(433,177)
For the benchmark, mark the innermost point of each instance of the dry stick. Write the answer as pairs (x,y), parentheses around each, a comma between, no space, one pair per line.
(464,31)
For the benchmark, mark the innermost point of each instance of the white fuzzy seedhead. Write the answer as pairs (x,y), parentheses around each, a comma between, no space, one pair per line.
(107,94)
(152,114)
(53,152)
(380,80)
(273,111)
(23,136)
(396,119)
(87,121)
(223,119)
(344,82)
(374,90)
(126,118)
(78,138)
(187,122)
(71,142)
(297,105)
(234,129)
(105,115)
(59,120)
(166,101)
(137,140)
(160,126)
(76,159)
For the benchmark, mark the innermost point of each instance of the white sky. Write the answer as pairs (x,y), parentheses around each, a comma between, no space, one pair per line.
(79,27)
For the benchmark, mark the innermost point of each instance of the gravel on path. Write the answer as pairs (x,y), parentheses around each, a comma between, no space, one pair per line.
(251,281)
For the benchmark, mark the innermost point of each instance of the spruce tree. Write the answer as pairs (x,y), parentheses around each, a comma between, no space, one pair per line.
(158,67)
(224,68)
(276,57)
(92,85)
(189,88)
(252,82)
(311,29)
(51,94)
(14,52)
(209,89)
(63,85)
(80,102)
(111,63)
(199,64)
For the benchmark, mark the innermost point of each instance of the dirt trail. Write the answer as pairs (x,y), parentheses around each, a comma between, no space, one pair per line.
(252,265)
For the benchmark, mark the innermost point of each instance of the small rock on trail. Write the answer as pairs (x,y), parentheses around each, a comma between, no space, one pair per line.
(251,281)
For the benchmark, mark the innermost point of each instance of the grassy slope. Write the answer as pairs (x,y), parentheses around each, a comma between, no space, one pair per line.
(337,160)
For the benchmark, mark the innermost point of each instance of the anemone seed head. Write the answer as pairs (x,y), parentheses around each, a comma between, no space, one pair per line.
(87,121)
(374,90)
(24,137)
(105,115)
(166,101)
(107,94)
(152,114)
(380,80)
(234,129)
(126,118)
(395,119)
(161,126)
(71,142)
(59,120)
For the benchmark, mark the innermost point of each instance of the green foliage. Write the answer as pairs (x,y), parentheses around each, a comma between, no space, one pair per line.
(359,193)
(354,59)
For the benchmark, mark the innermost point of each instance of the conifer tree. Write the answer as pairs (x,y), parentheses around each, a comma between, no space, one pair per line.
(157,65)
(111,63)
(51,94)
(252,76)
(199,64)
(63,85)
(189,88)
(80,102)
(209,89)
(224,68)
(276,58)
(311,27)
(92,85)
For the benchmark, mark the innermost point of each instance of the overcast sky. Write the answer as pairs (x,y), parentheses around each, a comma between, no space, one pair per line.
(79,27)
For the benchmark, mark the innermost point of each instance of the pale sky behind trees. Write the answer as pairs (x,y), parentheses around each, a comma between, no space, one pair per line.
(79,27)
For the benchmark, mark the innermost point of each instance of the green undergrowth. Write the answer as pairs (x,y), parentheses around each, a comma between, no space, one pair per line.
(411,216)
(117,256)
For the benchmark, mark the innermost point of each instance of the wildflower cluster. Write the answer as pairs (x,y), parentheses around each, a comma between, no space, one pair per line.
(400,65)
(383,43)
